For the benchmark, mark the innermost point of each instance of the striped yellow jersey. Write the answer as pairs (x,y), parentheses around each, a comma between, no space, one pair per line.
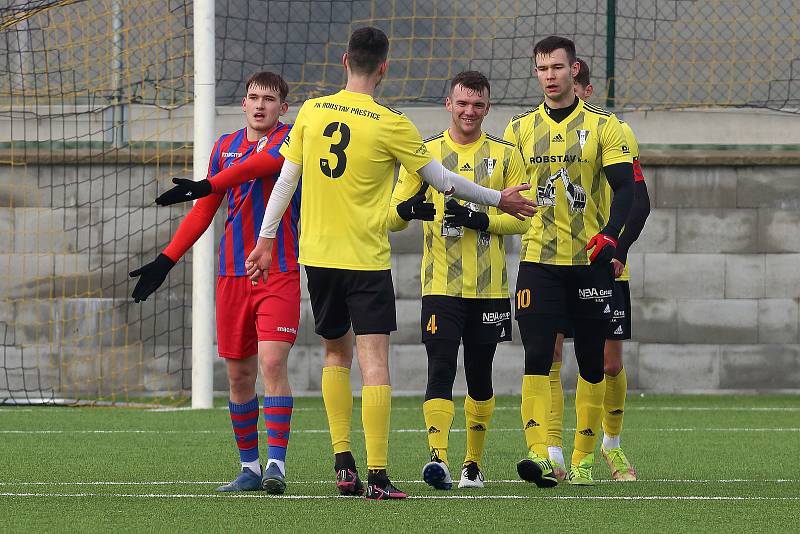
(564,163)
(348,145)
(461,262)
(633,145)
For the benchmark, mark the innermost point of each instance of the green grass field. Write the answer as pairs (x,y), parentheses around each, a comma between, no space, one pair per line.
(715,463)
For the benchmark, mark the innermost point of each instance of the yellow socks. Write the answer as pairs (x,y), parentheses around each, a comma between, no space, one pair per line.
(589,412)
(478,414)
(338,397)
(614,403)
(535,411)
(376,407)
(556,422)
(438,420)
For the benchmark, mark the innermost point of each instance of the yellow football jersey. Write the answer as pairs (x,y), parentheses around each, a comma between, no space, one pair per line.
(564,163)
(461,262)
(348,145)
(633,145)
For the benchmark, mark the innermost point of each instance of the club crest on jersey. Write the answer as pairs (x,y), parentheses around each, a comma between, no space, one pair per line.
(262,143)
(583,135)
(490,163)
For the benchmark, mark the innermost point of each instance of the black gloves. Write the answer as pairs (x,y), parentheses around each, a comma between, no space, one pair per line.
(185,190)
(458,215)
(152,276)
(416,207)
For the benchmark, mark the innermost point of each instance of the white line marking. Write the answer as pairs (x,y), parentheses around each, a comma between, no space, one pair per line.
(172,409)
(398,431)
(254,495)
(316,482)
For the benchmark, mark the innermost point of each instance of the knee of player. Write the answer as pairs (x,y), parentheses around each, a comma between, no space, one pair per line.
(612,358)
(241,381)
(273,367)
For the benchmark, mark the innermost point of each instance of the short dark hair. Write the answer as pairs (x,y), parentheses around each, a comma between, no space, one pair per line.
(584,73)
(269,80)
(367,49)
(472,80)
(548,45)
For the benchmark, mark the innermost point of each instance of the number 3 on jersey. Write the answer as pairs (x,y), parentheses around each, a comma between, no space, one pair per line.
(337,149)
(431,324)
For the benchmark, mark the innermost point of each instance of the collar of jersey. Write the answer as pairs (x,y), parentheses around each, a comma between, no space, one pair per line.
(353,94)
(268,134)
(463,148)
(571,116)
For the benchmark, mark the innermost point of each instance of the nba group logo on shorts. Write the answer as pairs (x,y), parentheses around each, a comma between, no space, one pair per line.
(495,317)
(593,293)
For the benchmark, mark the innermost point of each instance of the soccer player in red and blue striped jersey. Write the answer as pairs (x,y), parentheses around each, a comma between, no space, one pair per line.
(252,319)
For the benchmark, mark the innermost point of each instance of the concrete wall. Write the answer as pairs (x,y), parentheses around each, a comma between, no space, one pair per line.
(715,282)
(715,289)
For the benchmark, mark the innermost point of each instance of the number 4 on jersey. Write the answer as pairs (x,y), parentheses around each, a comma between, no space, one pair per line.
(431,324)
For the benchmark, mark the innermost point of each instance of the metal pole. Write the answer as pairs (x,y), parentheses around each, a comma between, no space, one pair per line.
(118,111)
(611,38)
(203,262)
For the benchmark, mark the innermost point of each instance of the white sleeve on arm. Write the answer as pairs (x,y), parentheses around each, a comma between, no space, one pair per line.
(451,183)
(279,198)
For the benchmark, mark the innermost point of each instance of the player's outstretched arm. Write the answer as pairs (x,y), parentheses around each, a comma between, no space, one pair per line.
(259,260)
(508,200)
(260,164)
(152,275)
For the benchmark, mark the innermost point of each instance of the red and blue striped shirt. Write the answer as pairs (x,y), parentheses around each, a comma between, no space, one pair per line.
(244,172)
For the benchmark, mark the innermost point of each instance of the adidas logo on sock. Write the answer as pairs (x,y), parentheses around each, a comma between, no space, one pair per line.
(558,139)
(616,412)
(531,424)
(587,432)
(433,430)
(466,168)
(478,428)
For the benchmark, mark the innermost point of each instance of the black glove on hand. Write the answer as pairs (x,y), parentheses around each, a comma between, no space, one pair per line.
(152,276)
(458,215)
(604,248)
(185,190)
(416,207)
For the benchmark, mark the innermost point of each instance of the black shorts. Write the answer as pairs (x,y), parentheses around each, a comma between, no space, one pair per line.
(565,290)
(479,321)
(620,325)
(341,297)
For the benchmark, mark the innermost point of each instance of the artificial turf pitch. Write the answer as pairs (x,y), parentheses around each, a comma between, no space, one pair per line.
(705,463)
